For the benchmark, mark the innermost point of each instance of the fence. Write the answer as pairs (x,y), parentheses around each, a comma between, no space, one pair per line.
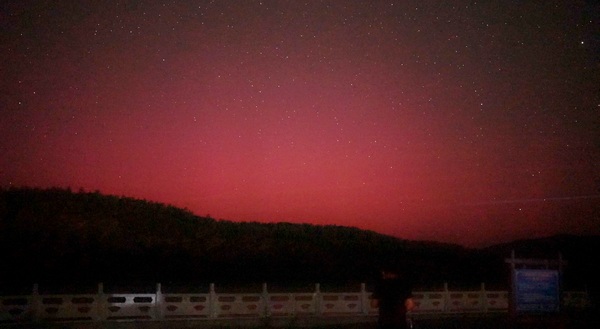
(212,305)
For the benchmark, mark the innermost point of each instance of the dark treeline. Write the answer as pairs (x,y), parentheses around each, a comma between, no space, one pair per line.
(60,236)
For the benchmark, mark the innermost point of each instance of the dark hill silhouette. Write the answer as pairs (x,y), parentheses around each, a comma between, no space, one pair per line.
(56,235)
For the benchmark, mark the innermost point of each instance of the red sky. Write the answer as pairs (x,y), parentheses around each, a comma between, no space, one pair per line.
(467,123)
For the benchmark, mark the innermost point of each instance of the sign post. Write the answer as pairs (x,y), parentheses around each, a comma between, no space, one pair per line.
(535,285)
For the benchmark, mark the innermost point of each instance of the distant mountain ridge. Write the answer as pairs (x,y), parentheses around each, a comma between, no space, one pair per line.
(50,235)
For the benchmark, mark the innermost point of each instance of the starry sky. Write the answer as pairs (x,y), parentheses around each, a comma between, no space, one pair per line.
(469,122)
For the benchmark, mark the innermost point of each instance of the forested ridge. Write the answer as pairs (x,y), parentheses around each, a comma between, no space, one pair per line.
(56,235)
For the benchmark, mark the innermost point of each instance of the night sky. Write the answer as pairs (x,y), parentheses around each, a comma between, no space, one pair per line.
(456,121)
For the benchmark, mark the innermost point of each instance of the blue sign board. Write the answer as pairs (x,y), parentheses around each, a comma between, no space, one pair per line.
(536,290)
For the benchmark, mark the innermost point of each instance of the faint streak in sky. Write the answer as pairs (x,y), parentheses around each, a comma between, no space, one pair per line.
(531,200)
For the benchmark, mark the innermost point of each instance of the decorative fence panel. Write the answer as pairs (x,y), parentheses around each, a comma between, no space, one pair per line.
(465,301)
(67,307)
(16,308)
(342,304)
(130,307)
(429,302)
(497,301)
(185,306)
(239,305)
(576,299)
(292,304)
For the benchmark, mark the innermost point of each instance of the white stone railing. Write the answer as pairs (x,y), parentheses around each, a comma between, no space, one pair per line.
(212,305)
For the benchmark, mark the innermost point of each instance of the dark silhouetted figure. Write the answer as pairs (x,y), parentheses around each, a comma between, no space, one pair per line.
(393,296)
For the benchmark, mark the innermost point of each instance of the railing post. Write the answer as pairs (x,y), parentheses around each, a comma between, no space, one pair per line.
(365,299)
(446,297)
(36,303)
(318,299)
(483,297)
(212,299)
(158,302)
(265,298)
(100,303)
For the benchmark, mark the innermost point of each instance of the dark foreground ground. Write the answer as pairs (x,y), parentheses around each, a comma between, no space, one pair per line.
(498,321)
